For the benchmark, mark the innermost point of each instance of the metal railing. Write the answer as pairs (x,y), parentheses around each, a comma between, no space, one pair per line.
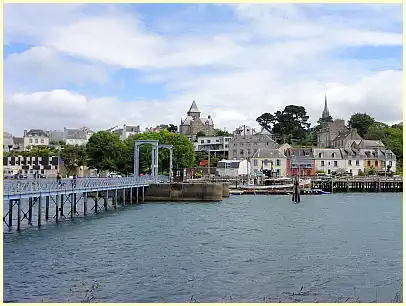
(31,186)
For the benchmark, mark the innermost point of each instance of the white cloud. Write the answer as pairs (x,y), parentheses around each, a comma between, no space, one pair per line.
(274,56)
(44,67)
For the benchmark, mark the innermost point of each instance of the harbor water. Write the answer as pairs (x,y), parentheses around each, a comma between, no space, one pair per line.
(328,248)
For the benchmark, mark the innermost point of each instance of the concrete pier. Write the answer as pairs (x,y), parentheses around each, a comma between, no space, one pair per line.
(186,192)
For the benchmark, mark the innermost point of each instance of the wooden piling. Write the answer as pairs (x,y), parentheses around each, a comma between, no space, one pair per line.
(115,199)
(57,208)
(85,203)
(47,208)
(30,211)
(39,211)
(106,199)
(96,199)
(296,190)
(10,213)
(18,214)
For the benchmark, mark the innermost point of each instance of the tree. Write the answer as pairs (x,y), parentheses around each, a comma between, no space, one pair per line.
(73,157)
(376,131)
(41,151)
(266,120)
(104,151)
(183,151)
(361,122)
(219,132)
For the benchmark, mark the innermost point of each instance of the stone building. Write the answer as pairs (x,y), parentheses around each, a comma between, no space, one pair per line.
(244,146)
(35,137)
(329,129)
(194,124)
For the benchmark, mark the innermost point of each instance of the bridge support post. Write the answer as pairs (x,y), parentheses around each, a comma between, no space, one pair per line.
(137,193)
(96,199)
(18,214)
(71,205)
(10,213)
(143,193)
(124,197)
(30,211)
(57,208)
(106,198)
(62,203)
(131,195)
(85,203)
(74,203)
(39,210)
(47,208)
(115,199)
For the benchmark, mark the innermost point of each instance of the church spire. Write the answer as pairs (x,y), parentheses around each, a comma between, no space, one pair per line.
(326,113)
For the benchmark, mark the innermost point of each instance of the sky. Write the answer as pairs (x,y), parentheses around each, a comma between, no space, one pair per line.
(105,65)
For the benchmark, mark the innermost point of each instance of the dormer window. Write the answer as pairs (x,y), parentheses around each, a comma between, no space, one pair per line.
(320,155)
(334,155)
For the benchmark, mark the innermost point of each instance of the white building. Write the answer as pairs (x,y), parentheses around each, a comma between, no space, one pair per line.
(216,144)
(75,137)
(329,160)
(127,131)
(228,168)
(8,142)
(35,137)
(269,159)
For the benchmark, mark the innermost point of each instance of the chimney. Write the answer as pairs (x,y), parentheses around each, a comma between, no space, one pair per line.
(25,133)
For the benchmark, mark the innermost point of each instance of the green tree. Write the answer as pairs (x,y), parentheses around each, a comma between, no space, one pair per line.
(376,131)
(361,122)
(219,132)
(104,151)
(267,121)
(172,128)
(73,157)
(183,151)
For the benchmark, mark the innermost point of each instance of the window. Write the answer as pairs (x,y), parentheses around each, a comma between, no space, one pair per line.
(249,152)
(42,140)
(329,163)
(322,163)
(369,163)
(208,140)
(351,171)
(226,146)
(390,163)
(265,162)
(349,162)
(267,143)
(30,141)
(329,171)
(241,151)
(255,162)
(201,141)
(357,162)
(36,140)
(217,140)
(335,163)
(319,155)
(227,165)
(235,145)
(376,164)
(278,162)
(333,155)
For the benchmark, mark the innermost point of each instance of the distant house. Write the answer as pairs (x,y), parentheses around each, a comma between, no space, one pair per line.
(228,168)
(354,164)
(35,137)
(300,161)
(328,160)
(269,159)
(127,131)
(8,142)
(218,145)
(75,137)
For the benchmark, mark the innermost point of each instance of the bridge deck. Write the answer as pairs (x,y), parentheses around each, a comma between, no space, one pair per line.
(20,189)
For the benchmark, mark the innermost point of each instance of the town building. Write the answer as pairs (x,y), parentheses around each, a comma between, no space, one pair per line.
(75,137)
(329,161)
(228,168)
(8,142)
(354,164)
(329,129)
(18,143)
(300,161)
(218,145)
(245,144)
(35,137)
(56,137)
(194,125)
(127,131)
(269,159)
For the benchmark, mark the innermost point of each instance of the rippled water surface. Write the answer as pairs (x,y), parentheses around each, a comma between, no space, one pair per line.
(246,248)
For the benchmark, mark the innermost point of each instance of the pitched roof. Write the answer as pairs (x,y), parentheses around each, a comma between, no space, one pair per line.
(193,108)
(268,153)
(36,132)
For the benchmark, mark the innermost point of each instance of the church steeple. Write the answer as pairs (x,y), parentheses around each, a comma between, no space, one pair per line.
(326,113)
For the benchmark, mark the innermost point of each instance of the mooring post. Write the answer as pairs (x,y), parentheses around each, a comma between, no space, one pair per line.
(85,203)
(30,211)
(106,198)
(39,210)
(131,195)
(18,214)
(10,213)
(57,208)
(47,208)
